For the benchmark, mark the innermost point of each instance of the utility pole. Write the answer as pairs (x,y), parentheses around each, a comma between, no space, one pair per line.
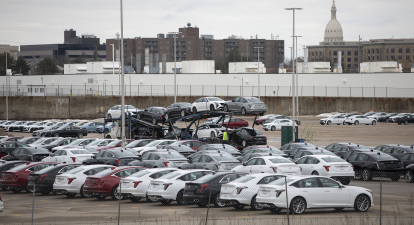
(122,80)
(7,91)
(359,54)
(258,68)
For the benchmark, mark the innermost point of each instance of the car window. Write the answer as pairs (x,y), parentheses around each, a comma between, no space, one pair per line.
(266,180)
(405,157)
(302,160)
(67,168)
(352,157)
(205,159)
(388,150)
(308,183)
(94,171)
(154,157)
(230,178)
(39,167)
(161,173)
(362,157)
(127,172)
(260,162)
(312,161)
(280,160)
(192,176)
(251,162)
(197,158)
(328,183)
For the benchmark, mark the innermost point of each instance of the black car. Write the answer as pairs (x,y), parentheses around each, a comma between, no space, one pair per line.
(334,145)
(386,118)
(246,136)
(319,151)
(289,147)
(301,148)
(34,154)
(45,178)
(28,140)
(342,149)
(179,109)
(58,142)
(152,114)
(409,173)
(398,151)
(383,147)
(220,147)
(209,186)
(376,164)
(347,154)
(8,146)
(112,157)
(407,159)
(182,149)
(67,131)
(405,119)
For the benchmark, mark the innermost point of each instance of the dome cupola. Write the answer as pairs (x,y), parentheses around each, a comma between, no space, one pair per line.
(333,30)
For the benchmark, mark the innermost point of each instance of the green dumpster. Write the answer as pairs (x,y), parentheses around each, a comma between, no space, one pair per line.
(287,134)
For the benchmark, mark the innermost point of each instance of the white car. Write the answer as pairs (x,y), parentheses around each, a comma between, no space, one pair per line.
(243,191)
(207,104)
(327,165)
(170,187)
(43,141)
(333,119)
(99,143)
(277,124)
(69,156)
(359,119)
(71,182)
(1,205)
(75,144)
(115,112)
(153,145)
(137,184)
(211,130)
(269,164)
(304,192)
(376,116)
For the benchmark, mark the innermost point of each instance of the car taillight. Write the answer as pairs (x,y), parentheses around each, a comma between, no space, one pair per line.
(251,139)
(353,169)
(166,186)
(102,181)
(70,180)
(42,177)
(160,117)
(351,118)
(278,192)
(326,168)
(274,169)
(117,161)
(31,158)
(73,159)
(203,187)
(217,166)
(166,164)
(136,183)
(239,189)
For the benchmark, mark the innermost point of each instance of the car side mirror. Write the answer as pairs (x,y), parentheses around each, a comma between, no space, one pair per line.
(232,100)
(244,164)
(190,161)
(93,157)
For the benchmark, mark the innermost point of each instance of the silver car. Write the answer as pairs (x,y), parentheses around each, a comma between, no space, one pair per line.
(214,162)
(160,160)
(246,105)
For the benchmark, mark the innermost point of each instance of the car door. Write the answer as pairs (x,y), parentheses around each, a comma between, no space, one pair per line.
(205,162)
(248,168)
(259,166)
(334,194)
(310,189)
(407,159)
(304,168)
(195,161)
(359,162)
(152,161)
(201,131)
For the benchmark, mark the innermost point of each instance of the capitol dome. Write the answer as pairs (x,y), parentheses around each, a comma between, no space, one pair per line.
(333,30)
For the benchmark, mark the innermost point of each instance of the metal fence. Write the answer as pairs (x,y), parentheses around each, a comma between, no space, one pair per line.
(205,90)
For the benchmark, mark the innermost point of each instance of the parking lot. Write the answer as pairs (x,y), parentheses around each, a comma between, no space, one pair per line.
(397,197)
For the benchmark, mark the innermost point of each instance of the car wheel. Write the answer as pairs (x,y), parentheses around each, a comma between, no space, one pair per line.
(139,116)
(217,201)
(406,122)
(366,175)
(166,116)
(114,193)
(109,117)
(399,123)
(273,128)
(135,199)
(345,181)
(16,190)
(387,120)
(106,130)
(298,205)
(212,134)
(202,203)
(243,125)
(154,121)
(180,198)
(56,135)
(254,205)
(329,122)
(356,122)
(243,111)
(212,108)
(80,135)
(226,108)
(409,177)
(239,206)
(194,110)
(85,194)
(70,195)
(315,173)
(395,177)
(362,203)
(166,201)
(374,122)
(182,113)
(244,143)
(343,123)
(150,199)
(349,123)
(275,210)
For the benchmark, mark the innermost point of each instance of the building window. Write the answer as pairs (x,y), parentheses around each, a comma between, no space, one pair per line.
(215,48)
(189,48)
(241,43)
(369,58)
(201,42)
(335,53)
(349,66)
(268,53)
(355,52)
(392,50)
(201,48)
(215,53)
(316,53)
(355,59)
(167,47)
(377,50)
(349,52)
(161,47)
(407,50)
(167,42)
(392,57)
(139,47)
(400,57)
(130,42)
(221,42)
(139,42)
(377,57)
(221,48)
(221,53)
(247,43)
(349,59)
(369,52)
(189,42)
(400,50)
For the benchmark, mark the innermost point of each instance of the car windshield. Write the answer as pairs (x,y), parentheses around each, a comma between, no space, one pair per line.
(140,173)
(93,143)
(280,160)
(390,114)
(254,100)
(243,179)
(152,144)
(38,142)
(56,142)
(112,144)
(215,126)
(280,181)
(333,159)
(215,99)
(172,156)
(124,153)
(132,144)
(79,152)
(382,157)
(224,158)
(130,107)
(185,104)
(254,132)
(19,167)
(171,175)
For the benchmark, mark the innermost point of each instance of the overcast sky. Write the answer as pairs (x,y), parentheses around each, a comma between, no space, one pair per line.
(26,22)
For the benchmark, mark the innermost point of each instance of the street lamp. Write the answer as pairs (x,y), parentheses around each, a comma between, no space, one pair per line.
(113,60)
(7,91)
(293,75)
(122,80)
(297,79)
(241,85)
(175,65)
(258,72)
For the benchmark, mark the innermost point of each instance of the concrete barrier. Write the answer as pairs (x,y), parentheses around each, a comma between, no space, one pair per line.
(70,107)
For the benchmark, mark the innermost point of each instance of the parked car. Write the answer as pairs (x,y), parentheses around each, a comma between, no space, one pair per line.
(342,149)
(214,162)
(45,178)
(193,144)
(6,165)
(58,142)
(170,187)
(347,154)
(1,205)
(152,114)
(34,154)
(377,115)
(182,149)
(269,164)
(405,119)
(28,140)
(407,159)
(68,131)
(106,182)
(71,182)
(37,126)
(268,151)
(333,119)
(255,147)
(302,148)
(215,120)
(397,151)
(386,118)
(6,127)
(246,157)
(328,166)
(409,173)
(289,147)
(154,144)
(43,141)
(383,147)
(320,151)
(179,109)
(9,146)
(91,126)
(135,144)
(208,188)
(115,111)
(212,130)
(245,105)
(358,119)
(69,156)
(369,113)
(114,144)
(160,160)
(111,157)
(246,136)
(306,192)
(221,148)
(207,104)
(136,186)
(243,191)
(392,119)
(19,127)
(11,139)
(277,117)
(277,124)
(104,128)
(41,132)
(77,143)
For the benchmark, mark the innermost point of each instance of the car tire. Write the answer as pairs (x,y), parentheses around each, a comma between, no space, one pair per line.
(243,111)
(329,122)
(150,200)
(85,195)
(243,125)
(226,108)
(154,121)
(374,122)
(254,205)
(315,173)
(239,206)
(194,110)
(217,202)
(273,128)
(395,177)
(345,181)
(356,122)
(366,175)
(212,134)
(114,193)
(409,176)
(166,201)
(56,135)
(212,108)
(343,123)
(362,203)
(166,116)
(80,135)
(244,144)
(109,117)
(349,123)
(180,198)
(16,190)
(182,113)
(275,210)
(106,130)
(399,123)
(139,116)
(70,195)
(135,199)
(406,122)
(297,205)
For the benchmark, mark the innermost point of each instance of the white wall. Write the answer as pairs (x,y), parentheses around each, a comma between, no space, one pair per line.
(246,67)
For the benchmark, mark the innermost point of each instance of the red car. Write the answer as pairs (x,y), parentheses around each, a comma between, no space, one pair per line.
(262,119)
(193,144)
(16,178)
(106,182)
(235,122)
(114,144)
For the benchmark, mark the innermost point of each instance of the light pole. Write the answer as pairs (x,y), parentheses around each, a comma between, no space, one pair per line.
(113,59)
(7,91)
(175,65)
(293,75)
(241,85)
(297,79)
(122,80)
(258,72)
